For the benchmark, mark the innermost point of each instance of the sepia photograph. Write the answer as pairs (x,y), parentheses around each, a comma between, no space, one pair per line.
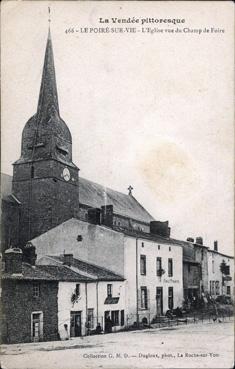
(117,184)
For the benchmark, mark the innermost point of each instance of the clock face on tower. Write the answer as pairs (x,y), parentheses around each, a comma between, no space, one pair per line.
(66,174)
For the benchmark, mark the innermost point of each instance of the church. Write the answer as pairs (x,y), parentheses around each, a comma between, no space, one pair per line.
(48,207)
(46,187)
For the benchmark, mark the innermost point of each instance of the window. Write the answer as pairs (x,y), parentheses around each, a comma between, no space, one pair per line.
(159,247)
(217,288)
(115,317)
(142,244)
(109,290)
(169,248)
(202,254)
(36,291)
(212,287)
(159,266)
(228,290)
(142,264)
(213,266)
(170,298)
(143,298)
(32,171)
(170,268)
(122,318)
(61,150)
(90,318)
(77,289)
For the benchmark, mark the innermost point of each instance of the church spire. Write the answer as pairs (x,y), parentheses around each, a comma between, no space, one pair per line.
(48,98)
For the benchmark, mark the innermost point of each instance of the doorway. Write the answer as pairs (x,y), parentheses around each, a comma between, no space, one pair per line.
(107,322)
(159,300)
(76,324)
(37,326)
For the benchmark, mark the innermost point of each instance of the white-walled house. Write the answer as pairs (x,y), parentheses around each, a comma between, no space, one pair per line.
(121,251)
(96,295)
(220,280)
(153,270)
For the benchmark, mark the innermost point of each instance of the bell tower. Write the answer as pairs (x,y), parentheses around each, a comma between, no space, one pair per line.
(45,179)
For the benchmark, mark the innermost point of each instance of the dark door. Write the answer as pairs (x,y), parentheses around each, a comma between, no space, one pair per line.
(76,324)
(107,322)
(159,300)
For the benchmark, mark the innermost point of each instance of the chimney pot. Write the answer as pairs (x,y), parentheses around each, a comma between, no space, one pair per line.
(215,245)
(94,215)
(160,228)
(199,240)
(68,259)
(29,254)
(107,215)
(13,261)
(190,239)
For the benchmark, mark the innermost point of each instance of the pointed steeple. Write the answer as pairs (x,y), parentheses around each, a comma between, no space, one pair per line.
(48,98)
(46,135)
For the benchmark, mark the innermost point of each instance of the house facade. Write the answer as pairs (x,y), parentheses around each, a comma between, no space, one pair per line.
(126,253)
(82,306)
(220,273)
(195,268)
(154,273)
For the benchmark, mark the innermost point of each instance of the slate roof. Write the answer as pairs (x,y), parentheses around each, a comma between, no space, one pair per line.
(95,195)
(47,273)
(220,253)
(100,273)
(148,236)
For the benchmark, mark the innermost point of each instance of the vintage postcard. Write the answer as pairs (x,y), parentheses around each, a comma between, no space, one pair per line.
(117,167)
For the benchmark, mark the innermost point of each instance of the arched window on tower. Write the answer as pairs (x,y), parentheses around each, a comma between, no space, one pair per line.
(32,171)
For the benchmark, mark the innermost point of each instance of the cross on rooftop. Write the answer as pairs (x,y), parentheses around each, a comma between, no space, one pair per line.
(130,188)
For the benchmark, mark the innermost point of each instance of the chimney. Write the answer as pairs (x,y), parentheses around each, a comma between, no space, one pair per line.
(190,239)
(199,240)
(94,215)
(13,261)
(107,215)
(160,228)
(215,245)
(29,254)
(68,259)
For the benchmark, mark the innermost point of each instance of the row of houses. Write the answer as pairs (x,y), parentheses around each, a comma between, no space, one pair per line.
(60,295)
(59,298)
(103,262)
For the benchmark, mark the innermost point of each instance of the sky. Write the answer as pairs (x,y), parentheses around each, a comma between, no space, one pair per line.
(151,110)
